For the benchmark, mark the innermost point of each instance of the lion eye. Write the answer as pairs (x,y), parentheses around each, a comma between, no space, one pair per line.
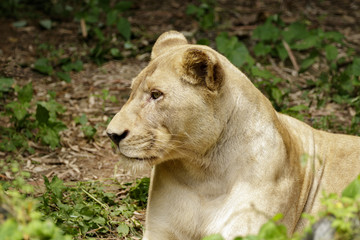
(155,94)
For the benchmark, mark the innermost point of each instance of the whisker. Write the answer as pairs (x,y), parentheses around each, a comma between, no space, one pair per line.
(139,141)
(182,151)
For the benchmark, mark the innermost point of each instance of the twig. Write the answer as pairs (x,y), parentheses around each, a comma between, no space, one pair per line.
(91,196)
(279,71)
(83,28)
(3,177)
(291,55)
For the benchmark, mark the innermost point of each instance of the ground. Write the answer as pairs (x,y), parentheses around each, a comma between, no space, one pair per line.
(81,159)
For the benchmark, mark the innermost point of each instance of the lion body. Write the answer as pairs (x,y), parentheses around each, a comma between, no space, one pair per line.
(224,160)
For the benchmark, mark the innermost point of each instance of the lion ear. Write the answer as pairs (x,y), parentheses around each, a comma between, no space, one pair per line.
(202,68)
(166,41)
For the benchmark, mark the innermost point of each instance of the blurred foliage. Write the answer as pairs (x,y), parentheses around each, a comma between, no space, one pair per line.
(42,125)
(339,82)
(103,25)
(19,214)
(64,212)
(204,13)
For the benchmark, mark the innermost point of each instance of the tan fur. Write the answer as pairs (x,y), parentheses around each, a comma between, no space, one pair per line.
(224,160)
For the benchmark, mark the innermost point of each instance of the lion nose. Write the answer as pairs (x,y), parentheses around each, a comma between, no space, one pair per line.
(116,138)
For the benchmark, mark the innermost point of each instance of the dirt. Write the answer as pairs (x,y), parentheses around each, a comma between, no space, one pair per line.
(81,159)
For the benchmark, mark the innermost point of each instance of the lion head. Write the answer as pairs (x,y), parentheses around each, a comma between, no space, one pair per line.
(174,109)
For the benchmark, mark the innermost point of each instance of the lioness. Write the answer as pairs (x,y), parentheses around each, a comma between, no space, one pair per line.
(224,160)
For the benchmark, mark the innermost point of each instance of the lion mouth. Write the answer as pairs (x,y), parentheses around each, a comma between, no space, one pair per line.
(144,159)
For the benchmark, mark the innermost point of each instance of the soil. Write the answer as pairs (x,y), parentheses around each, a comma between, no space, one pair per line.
(79,159)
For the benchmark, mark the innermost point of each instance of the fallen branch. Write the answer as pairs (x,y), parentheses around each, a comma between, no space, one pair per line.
(291,55)
(83,28)
(280,72)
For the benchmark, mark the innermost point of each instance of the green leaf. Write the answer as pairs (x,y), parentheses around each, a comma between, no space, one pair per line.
(25,94)
(49,136)
(19,24)
(46,23)
(295,31)
(353,189)
(123,6)
(54,107)
(99,34)
(128,45)
(283,54)
(115,52)
(64,76)
(42,114)
(89,131)
(240,55)
(335,36)
(222,42)
(81,120)
(19,109)
(266,32)
(203,41)
(276,94)
(277,217)
(100,220)
(250,237)
(56,186)
(346,83)
(58,126)
(6,84)
(123,229)
(307,63)
(42,65)
(92,15)
(124,28)
(10,230)
(7,146)
(298,108)
(52,94)
(20,112)
(355,67)
(272,231)
(191,9)
(262,73)
(140,190)
(307,43)
(76,66)
(331,52)
(111,17)
(234,50)
(214,237)
(261,49)
(207,21)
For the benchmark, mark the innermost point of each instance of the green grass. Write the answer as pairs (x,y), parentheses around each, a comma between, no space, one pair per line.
(82,210)
(29,120)
(88,210)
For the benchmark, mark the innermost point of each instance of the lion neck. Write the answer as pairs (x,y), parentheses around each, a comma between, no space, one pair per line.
(242,151)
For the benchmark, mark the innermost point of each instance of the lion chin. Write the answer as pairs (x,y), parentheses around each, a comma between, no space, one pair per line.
(222,159)
(135,165)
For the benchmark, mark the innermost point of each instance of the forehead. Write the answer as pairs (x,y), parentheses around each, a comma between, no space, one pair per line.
(158,70)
